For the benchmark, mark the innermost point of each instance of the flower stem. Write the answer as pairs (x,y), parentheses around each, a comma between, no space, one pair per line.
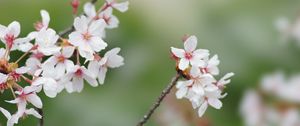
(25,54)
(163,94)
(12,91)
(77,57)
(41,121)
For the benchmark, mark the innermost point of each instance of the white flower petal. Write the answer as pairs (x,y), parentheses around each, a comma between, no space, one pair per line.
(180,53)
(113,59)
(202,109)
(81,24)
(68,51)
(181,92)
(216,103)
(122,7)
(35,100)
(190,44)
(69,87)
(33,112)
(183,64)
(89,10)
(77,84)
(198,88)
(5,113)
(97,44)
(22,70)
(195,72)
(102,74)
(97,27)
(14,28)
(45,18)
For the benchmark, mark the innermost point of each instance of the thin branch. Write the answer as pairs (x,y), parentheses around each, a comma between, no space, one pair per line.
(71,28)
(159,100)
(41,121)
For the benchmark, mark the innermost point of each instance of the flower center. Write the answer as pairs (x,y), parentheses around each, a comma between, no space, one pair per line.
(61,58)
(87,36)
(9,40)
(188,56)
(78,73)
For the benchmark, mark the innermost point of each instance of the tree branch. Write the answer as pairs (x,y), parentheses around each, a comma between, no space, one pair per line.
(41,121)
(159,100)
(71,28)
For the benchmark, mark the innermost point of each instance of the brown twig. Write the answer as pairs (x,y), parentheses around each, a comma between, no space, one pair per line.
(41,121)
(159,100)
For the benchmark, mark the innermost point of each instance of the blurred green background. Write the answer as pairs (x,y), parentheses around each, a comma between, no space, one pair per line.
(241,32)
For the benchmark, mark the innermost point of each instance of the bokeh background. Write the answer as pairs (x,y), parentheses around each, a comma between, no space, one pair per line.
(241,32)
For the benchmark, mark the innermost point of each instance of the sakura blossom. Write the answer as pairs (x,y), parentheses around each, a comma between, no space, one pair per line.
(54,60)
(87,37)
(189,56)
(200,87)
(111,59)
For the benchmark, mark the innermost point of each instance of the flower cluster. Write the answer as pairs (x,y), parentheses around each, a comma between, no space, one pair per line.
(259,108)
(201,88)
(54,63)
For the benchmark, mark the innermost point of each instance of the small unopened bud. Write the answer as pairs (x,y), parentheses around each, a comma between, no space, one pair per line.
(75,5)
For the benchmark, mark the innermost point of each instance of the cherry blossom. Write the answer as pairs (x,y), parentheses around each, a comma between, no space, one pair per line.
(87,36)
(111,59)
(190,55)
(9,36)
(111,20)
(46,40)
(77,75)
(200,87)
(61,60)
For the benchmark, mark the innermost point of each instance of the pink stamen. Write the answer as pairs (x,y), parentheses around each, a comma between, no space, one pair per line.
(15,75)
(9,40)
(79,73)
(188,56)
(86,36)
